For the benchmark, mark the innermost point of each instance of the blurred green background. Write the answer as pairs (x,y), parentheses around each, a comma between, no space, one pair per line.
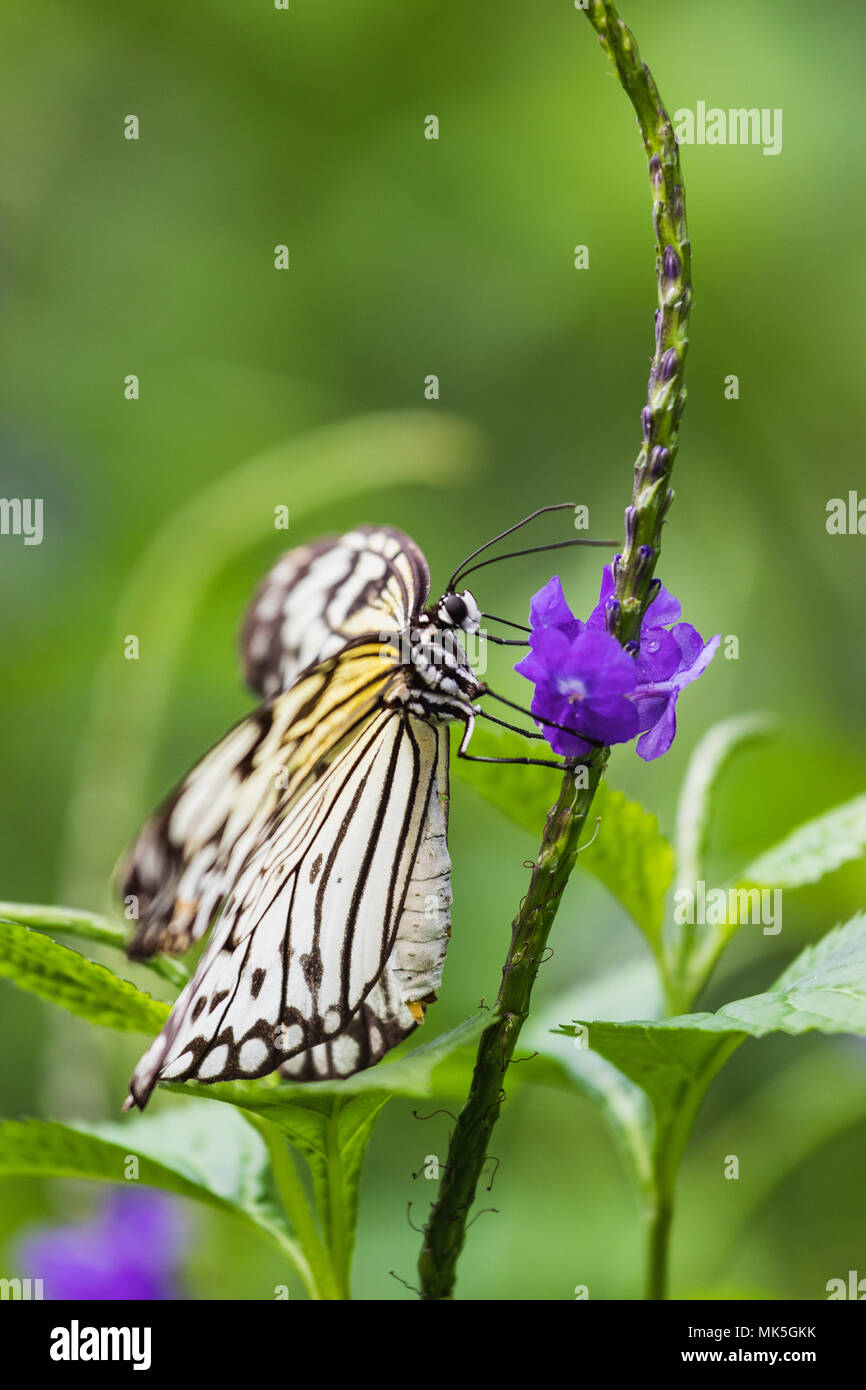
(411,257)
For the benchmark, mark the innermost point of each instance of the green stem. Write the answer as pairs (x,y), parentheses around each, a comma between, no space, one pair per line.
(308,1253)
(666,396)
(445,1232)
(660,1217)
(667,1155)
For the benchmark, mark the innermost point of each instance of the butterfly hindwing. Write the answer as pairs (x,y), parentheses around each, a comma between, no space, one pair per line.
(414,966)
(319,596)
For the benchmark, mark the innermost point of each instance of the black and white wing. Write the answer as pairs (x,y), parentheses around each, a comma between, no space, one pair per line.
(316,598)
(175,878)
(311,839)
(334,928)
(411,977)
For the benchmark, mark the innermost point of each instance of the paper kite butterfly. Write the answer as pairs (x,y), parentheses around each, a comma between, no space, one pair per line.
(311,840)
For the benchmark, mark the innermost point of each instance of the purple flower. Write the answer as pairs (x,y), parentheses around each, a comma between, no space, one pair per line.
(659,653)
(584,680)
(581,682)
(549,608)
(129,1251)
(657,701)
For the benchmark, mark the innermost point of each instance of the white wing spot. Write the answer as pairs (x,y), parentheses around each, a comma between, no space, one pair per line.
(252,1054)
(215,1062)
(178,1066)
(288,1038)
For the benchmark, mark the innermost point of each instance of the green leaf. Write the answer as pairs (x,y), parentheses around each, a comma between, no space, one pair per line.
(633,859)
(332,1135)
(629,855)
(673,1060)
(330,1122)
(36,963)
(812,850)
(89,926)
(524,794)
(207,1155)
(706,765)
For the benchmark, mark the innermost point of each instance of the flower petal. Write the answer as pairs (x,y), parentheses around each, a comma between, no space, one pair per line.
(598,617)
(611,718)
(696,655)
(549,608)
(664,609)
(602,665)
(651,705)
(568,745)
(661,735)
(659,656)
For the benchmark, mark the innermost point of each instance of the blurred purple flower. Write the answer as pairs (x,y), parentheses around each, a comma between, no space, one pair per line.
(583,679)
(129,1251)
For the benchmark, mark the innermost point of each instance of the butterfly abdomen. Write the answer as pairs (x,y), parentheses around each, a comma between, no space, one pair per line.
(425,923)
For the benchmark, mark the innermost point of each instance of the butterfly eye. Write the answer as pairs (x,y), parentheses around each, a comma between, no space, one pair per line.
(472,620)
(453,610)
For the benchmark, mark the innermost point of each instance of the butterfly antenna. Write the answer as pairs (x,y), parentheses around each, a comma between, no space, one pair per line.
(506,622)
(531,550)
(554,507)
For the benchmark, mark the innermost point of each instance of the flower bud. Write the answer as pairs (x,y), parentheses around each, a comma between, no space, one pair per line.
(659,461)
(671,264)
(670,364)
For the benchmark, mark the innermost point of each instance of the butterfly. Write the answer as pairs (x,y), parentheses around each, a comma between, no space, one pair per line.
(311,841)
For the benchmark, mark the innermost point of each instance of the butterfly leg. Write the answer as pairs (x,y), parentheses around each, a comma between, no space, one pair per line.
(523,762)
(515,729)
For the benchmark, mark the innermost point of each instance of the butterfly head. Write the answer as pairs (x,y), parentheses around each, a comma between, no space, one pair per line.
(459,611)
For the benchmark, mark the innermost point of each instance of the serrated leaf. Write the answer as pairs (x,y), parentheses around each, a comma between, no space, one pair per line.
(523,793)
(36,963)
(209,1156)
(632,858)
(812,850)
(89,926)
